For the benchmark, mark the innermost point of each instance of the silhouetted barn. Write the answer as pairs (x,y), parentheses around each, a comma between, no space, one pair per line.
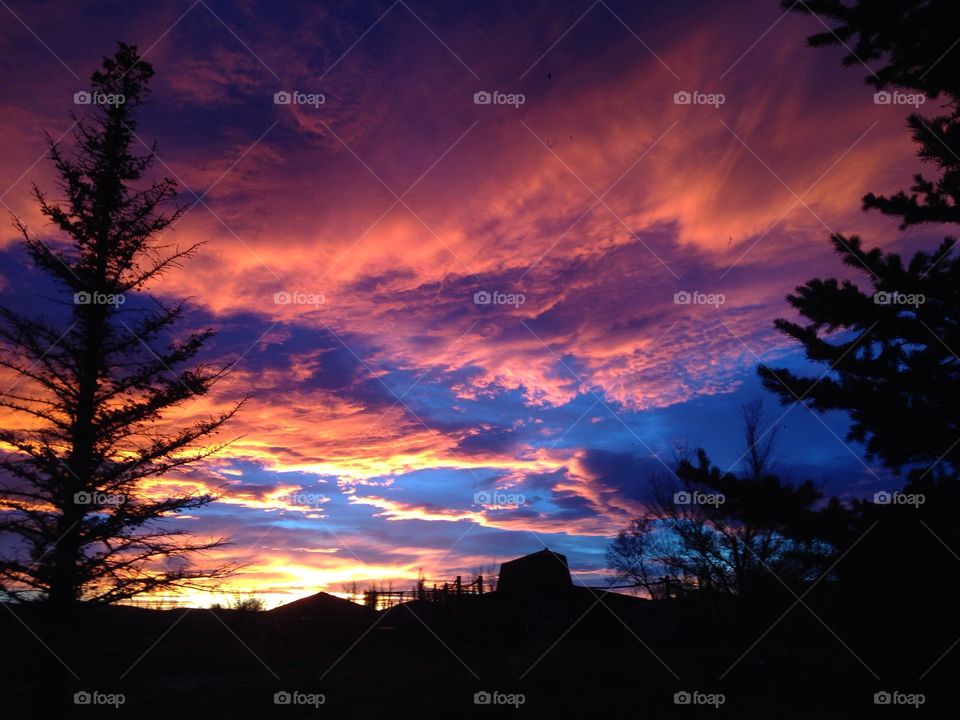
(540,572)
(323,606)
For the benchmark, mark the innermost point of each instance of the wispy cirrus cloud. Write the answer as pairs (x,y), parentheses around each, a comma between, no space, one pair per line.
(346,243)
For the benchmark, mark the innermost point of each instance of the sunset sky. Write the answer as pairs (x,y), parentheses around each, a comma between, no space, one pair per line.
(384,396)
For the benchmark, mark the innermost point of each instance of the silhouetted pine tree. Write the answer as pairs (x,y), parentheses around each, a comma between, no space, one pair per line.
(894,365)
(913,40)
(891,352)
(96,389)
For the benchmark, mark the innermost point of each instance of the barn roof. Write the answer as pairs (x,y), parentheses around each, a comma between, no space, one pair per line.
(542,571)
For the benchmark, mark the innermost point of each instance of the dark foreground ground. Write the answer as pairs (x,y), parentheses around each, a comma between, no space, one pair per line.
(574,654)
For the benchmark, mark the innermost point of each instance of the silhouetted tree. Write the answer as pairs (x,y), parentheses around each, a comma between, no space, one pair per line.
(74,514)
(632,556)
(760,443)
(888,353)
(737,535)
(248,603)
(913,40)
(758,530)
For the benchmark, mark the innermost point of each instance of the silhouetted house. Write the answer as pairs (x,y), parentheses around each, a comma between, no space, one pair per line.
(540,572)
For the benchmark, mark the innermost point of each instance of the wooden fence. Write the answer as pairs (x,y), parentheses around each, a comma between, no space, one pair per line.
(448,592)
